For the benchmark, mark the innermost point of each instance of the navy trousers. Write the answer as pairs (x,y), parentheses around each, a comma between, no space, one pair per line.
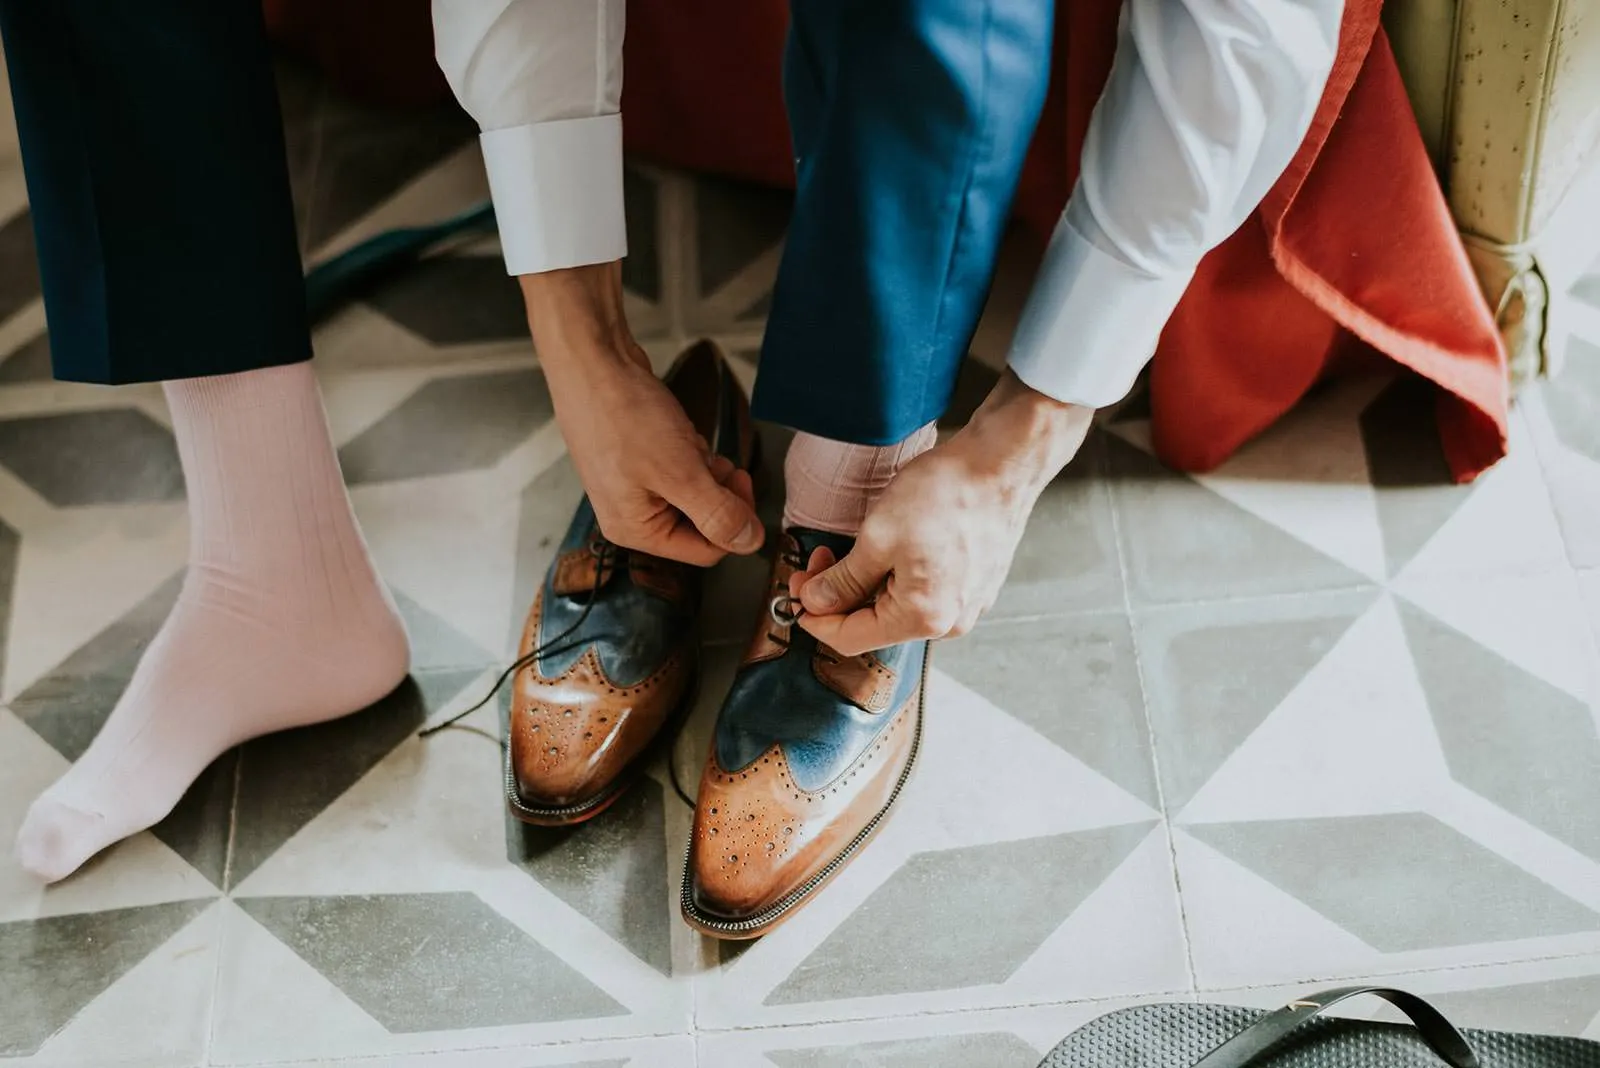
(153,149)
(910,121)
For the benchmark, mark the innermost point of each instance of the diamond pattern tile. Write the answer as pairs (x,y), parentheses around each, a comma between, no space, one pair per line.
(1551,1007)
(365,156)
(1075,680)
(1204,701)
(993,905)
(613,870)
(118,456)
(455,300)
(641,268)
(1386,878)
(19,265)
(1526,745)
(449,960)
(488,415)
(10,542)
(1574,400)
(1068,560)
(1185,543)
(1408,467)
(51,968)
(736,223)
(29,363)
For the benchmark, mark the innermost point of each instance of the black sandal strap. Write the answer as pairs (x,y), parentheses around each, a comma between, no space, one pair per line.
(1242,1049)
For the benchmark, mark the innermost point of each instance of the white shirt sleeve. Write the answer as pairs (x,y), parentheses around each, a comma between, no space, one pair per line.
(543,79)
(1207,103)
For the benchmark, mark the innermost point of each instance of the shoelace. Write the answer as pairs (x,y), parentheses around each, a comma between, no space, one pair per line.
(607,555)
(786,610)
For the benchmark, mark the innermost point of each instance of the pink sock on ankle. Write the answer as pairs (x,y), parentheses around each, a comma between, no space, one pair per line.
(831,484)
(282,620)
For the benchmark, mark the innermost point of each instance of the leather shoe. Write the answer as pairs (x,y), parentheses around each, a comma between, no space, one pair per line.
(616,638)
(810,751)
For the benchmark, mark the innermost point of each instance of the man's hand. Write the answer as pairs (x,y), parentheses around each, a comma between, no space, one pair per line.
(651,478)
(934,550)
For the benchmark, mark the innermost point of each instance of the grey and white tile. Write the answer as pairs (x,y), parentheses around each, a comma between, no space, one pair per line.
(1080,873)
(115,456)
(1554,996)
(1002,1038)
(1184,542)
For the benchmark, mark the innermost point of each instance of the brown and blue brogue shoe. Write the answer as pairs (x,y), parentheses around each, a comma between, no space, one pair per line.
(612,639)
(810,751)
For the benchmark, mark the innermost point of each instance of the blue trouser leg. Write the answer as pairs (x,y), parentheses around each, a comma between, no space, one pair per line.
(153,149)
(910,121)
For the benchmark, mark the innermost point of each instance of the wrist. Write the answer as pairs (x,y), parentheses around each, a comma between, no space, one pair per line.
(1030,435)
(577,319)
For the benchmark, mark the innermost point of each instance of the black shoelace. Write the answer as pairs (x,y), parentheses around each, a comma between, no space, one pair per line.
(607,557)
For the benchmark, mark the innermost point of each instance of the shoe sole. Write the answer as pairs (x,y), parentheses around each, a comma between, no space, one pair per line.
(587,809)
(776,914)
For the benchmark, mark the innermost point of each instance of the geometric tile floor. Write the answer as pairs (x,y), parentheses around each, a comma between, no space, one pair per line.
(1317,715)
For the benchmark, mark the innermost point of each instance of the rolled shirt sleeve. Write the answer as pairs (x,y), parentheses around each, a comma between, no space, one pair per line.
(543,80)
(1207,103)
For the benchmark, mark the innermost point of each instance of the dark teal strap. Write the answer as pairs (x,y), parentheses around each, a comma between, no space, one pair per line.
(1242,1049)
(331,283)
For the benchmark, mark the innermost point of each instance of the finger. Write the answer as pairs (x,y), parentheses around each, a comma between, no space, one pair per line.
(684,543)
(963,626)
(666,533)
(861,631)
(722,469)
(848,584)
(822,558)
(723,517)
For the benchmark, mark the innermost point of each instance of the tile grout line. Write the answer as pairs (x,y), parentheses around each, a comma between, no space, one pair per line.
(1544,466)
(1273,984)
(227,887)
(1438,969)
(1149,728)
(936,1014)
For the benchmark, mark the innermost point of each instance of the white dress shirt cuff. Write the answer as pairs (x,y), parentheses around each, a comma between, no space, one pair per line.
(1091,322)
(557,189)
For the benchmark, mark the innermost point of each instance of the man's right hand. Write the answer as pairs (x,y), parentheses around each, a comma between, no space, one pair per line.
(650,477)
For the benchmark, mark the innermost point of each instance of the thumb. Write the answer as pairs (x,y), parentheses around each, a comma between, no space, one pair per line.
(848,584)
(723,517)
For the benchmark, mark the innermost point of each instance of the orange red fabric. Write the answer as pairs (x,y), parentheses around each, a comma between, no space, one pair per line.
(1353,245)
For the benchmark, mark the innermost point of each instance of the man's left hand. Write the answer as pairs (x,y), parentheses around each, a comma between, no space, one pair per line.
(934,550)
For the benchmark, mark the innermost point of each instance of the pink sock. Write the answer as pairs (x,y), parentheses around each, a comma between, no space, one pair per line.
(831,484)
(282,620)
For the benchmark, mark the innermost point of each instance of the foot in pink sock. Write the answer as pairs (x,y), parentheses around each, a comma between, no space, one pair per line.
(282,620)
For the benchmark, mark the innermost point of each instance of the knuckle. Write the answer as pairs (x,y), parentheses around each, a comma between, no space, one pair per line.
(847,580)
(930,614)
(624,532)
(721,519)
